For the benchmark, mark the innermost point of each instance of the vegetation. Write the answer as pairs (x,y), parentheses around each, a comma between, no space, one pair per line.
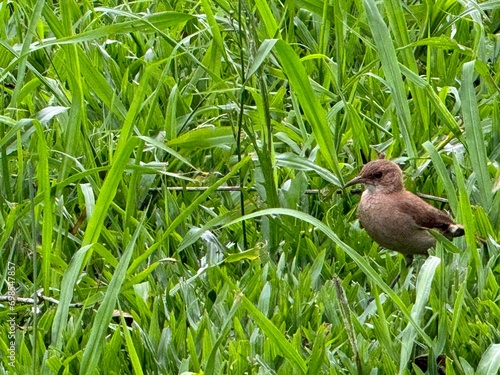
(171,177)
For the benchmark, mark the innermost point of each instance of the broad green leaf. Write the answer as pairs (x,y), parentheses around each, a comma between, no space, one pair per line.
(262,53)
(46,114)
(205,137)
(490,361)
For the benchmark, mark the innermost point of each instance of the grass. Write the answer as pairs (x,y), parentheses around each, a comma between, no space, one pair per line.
(111,115)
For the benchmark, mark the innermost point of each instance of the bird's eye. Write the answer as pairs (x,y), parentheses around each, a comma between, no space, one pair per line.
(377,174)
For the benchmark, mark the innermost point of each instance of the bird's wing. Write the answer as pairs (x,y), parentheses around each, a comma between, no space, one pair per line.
(425,215)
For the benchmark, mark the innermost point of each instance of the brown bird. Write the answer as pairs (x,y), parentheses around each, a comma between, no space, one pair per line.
(396,218)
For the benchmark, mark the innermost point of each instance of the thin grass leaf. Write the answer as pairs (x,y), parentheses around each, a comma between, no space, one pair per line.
(100,86)
(137,365)
(214,27)
(390,66)
(171,127)
(299,81)
(210,367)
(70,274)
(15,127)
(317,353)
(76,119)
(93,350)
(345,312)
(268,18)
(382,326)
(399,26)
(423,287)
(474,136)
(43,177)
(46,114)
(443,174)
(162,146)
(468,219)
(28,38)
(108,191)
(457,312)
(89,198)
(443,42)
(274,334)
(91,236)
(147,23)
(434,101)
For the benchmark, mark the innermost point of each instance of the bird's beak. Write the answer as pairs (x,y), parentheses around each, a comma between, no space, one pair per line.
(354,181)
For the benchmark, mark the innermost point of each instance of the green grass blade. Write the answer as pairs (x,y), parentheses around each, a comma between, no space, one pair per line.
(468,219)
(299,81)
(131,350)
(260,56)
(92,234)
(224,331)
(23,61)
(399,26)
(93,350)
(390,66)
(76,119)
(474,136)
(146,23)
(434,100)
(268,18)
(214,26)
(423,287)
(100,86)
(443,174)
(300,163)
(70,275)
(48,207)
(458,309)
(108,192)
(275,335)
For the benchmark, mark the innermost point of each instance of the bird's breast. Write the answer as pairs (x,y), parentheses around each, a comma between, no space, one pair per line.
(389,226)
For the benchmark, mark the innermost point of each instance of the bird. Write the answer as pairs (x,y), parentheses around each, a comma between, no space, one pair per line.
(394,217)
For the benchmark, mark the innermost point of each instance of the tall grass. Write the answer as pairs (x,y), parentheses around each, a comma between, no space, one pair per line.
(112,113)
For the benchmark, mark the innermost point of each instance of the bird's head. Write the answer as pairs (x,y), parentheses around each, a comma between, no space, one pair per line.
(380,175)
